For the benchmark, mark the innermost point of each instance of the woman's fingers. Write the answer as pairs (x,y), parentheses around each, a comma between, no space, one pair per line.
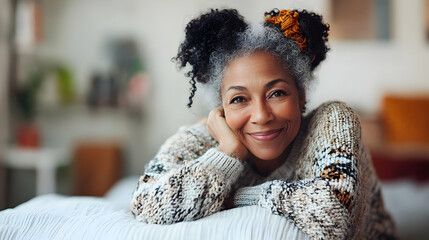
(211,121)
(217,126)
(228,141)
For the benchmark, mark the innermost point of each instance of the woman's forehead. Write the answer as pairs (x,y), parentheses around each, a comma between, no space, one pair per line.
(259,65)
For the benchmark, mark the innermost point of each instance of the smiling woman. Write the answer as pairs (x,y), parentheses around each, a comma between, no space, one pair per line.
(258,147)
(262,106)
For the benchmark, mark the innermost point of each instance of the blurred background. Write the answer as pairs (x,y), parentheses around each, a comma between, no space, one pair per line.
(88,92)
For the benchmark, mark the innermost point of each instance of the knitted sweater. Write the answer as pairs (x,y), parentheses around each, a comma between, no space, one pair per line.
(327,185)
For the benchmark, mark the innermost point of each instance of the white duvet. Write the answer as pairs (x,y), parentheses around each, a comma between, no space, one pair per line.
(60,217)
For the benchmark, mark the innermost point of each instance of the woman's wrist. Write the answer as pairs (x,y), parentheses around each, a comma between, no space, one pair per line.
(240,152)
(230,167)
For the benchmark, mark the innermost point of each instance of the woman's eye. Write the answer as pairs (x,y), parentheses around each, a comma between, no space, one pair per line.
(237,100)
(278,93)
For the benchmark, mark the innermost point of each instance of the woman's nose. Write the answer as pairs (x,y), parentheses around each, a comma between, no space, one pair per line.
(261,113)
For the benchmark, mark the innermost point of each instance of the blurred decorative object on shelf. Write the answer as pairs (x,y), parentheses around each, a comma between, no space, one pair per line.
(360,20)
(126,83)
(28,24)
(103,91)
(137,89)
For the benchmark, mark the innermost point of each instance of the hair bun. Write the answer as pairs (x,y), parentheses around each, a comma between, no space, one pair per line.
(316,33)
(214,30)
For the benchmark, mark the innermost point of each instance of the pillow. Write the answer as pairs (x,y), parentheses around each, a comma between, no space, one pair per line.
(406,119)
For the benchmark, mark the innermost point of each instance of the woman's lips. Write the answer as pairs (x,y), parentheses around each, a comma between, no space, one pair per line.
(266,136)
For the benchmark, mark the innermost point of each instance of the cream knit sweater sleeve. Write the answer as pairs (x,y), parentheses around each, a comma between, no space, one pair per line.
(188,179)
(321,200)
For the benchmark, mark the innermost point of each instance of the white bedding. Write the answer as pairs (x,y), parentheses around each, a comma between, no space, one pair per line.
(408,204)
(60,217)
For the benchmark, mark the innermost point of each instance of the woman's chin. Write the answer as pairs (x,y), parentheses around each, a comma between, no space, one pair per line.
(266,155)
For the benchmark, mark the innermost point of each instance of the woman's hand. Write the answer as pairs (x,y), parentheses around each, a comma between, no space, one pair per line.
(228,141)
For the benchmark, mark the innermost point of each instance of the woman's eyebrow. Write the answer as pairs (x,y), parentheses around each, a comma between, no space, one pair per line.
(238,88)
(268,85)
(274,82)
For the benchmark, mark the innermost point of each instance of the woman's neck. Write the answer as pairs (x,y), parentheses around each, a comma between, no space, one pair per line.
(266,167)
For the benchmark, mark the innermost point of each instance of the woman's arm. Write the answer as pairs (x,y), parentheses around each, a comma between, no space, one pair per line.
(188,179)
(321,204)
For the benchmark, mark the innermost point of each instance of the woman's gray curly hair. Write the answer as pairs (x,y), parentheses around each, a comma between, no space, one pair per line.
(256,37)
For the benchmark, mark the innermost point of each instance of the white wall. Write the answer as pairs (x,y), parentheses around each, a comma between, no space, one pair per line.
(358,73)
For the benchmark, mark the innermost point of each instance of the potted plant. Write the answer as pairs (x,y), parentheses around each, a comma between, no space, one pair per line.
(28,134)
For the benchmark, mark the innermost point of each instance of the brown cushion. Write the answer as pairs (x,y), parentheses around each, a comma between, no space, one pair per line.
(406,119)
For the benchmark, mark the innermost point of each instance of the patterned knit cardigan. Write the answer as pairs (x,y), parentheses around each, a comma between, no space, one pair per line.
(327,185)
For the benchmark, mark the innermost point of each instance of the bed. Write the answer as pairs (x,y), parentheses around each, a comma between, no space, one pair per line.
(61,217)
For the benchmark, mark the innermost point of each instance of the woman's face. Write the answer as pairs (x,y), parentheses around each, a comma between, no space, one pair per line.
(262,104)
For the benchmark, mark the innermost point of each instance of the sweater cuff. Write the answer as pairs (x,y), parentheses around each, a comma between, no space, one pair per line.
(229,166)
(247,196)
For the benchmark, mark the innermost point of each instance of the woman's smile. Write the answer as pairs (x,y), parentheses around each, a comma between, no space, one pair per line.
(265,136)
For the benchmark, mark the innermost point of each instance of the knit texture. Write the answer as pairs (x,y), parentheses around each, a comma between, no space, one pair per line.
(327,185)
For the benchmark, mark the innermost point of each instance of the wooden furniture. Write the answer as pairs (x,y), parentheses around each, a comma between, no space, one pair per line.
(96,167)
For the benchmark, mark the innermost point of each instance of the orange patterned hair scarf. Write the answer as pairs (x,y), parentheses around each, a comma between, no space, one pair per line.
(287,20)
